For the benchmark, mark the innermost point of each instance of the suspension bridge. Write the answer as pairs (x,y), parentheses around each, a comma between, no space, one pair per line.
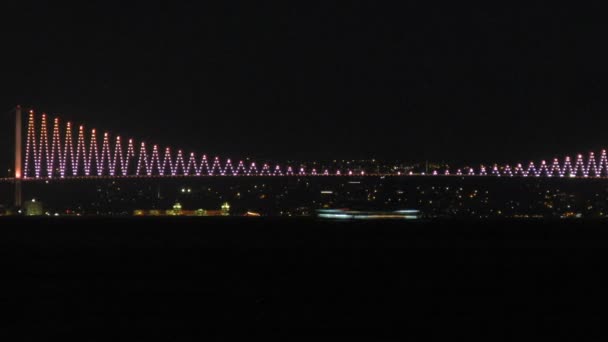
(57,150)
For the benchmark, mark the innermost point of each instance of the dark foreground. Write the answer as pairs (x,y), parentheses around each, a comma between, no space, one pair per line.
(179,279)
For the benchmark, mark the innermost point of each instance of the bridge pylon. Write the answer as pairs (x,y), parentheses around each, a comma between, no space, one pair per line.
(18,151)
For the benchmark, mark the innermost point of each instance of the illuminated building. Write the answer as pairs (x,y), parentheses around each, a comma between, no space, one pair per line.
(178,210)
(225,209)
(33,208)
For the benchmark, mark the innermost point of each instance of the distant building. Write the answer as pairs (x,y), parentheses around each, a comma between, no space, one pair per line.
(177,210)
(33,208)
(225,209)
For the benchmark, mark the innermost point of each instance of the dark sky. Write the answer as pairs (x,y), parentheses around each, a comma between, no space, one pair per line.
(317,80)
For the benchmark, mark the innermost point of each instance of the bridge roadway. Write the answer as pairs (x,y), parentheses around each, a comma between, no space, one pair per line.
(33,179)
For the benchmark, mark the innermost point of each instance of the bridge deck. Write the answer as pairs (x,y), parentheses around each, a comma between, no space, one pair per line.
(31,179)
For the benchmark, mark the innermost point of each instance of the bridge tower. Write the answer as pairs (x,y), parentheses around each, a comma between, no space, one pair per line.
(18,164)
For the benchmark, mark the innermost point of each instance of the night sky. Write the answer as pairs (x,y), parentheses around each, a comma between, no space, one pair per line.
(310,81)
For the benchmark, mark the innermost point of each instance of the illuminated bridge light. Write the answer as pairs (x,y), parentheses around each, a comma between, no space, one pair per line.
(240,169)
(61,152)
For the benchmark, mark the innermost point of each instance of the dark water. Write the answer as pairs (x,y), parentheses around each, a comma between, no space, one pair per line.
(182,279)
